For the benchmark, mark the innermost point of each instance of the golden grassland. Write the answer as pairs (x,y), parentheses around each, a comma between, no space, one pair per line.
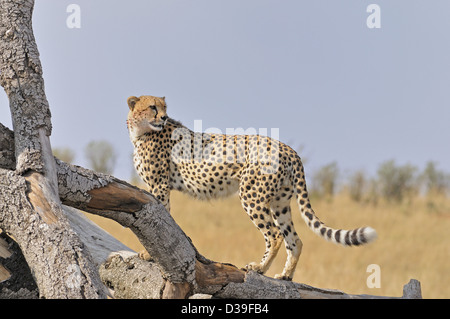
(413,242)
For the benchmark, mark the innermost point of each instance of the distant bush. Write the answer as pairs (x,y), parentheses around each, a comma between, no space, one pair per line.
(324,181)
(101,156)
(357,185)
(397,182)
(435,182)
(65,154)
(392,182)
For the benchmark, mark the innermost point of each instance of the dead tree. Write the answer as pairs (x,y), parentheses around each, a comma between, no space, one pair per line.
(48,249)
(30,206)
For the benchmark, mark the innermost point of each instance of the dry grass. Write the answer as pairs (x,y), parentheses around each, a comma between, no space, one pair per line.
(413,242)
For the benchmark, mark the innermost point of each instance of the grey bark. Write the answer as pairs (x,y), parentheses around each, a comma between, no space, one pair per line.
(16,280)
(52,250)
(412,290)
(132,278)
(29,203)
(120,269)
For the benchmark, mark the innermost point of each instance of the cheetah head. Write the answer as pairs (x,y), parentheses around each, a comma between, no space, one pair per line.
(147,114)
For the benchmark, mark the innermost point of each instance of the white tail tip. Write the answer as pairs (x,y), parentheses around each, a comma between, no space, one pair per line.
(370,234)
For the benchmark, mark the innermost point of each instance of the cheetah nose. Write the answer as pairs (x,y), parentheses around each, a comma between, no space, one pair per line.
(164,118)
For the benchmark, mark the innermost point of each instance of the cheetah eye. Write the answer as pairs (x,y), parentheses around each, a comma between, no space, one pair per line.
(153,107)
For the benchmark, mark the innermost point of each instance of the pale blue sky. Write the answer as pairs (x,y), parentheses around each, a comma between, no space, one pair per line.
(313,69)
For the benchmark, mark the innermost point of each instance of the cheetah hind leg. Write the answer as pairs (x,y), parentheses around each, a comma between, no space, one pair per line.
(281,213)
(273,241)
(264,223)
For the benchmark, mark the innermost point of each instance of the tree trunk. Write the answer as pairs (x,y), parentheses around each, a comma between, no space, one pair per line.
(16,280)
(29,202)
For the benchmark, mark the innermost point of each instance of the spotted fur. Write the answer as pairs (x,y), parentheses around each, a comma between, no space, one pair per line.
(265,173)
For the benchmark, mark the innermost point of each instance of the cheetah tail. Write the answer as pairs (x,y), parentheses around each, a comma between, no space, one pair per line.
(354,237)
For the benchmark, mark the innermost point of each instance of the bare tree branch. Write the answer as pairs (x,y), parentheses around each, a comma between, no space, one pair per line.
(136,209)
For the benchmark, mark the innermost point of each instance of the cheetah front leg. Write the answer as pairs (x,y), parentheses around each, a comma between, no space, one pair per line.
(161,191)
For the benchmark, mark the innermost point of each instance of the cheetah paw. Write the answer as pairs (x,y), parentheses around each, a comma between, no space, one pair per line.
(144,255)
(282,277)
(255,267)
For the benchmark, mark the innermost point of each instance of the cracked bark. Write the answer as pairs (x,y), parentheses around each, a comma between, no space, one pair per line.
(16,280)
(29,202)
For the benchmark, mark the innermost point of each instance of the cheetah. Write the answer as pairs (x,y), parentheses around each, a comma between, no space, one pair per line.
(264,172)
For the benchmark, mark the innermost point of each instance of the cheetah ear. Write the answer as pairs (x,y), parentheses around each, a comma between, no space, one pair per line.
(132,101)
(164,98)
